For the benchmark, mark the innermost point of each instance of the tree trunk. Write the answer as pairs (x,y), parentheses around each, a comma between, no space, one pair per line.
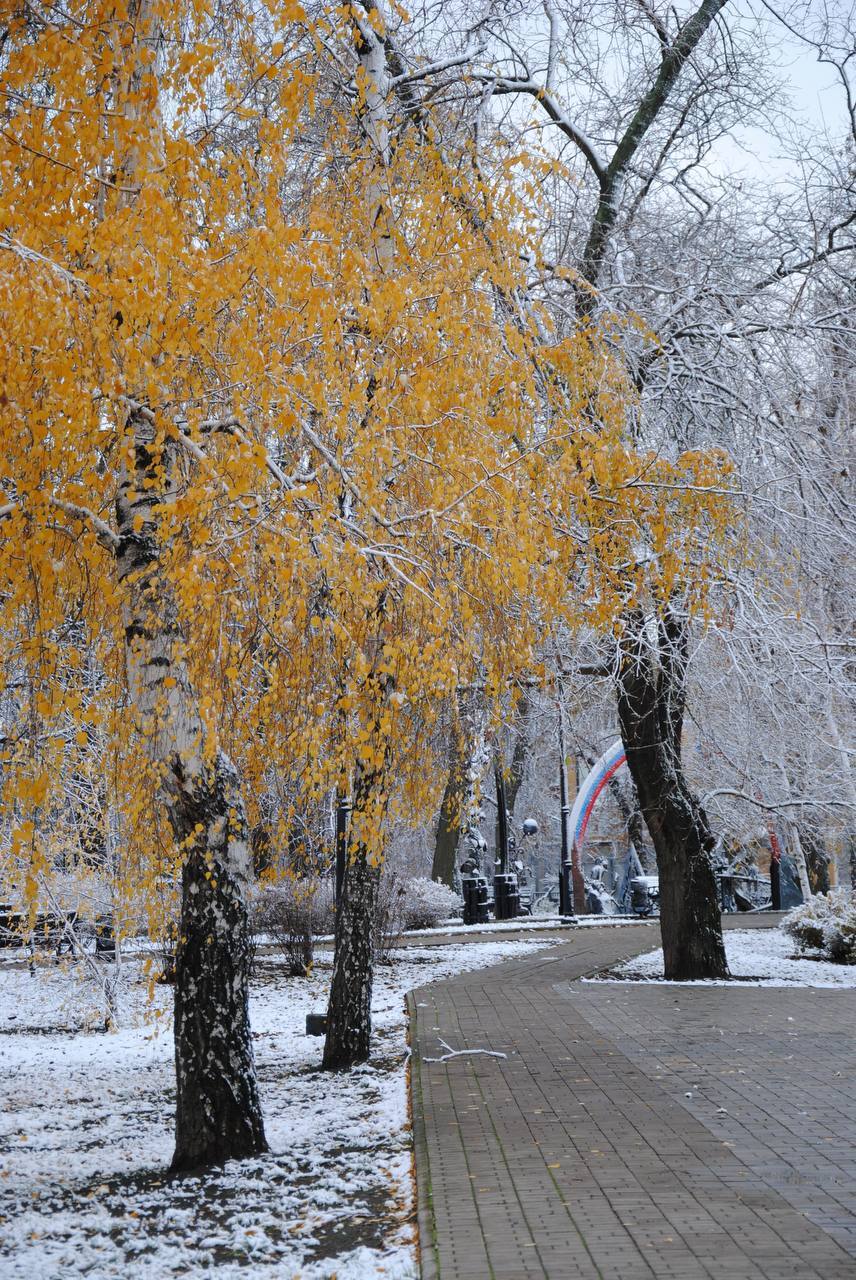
(349,1011)
(218,1114)
(816,857)
(348,1038)
(459,809)
(795,843)
(628,805)
(501,846)
(651,712)
(517,771)
(798,855)
(849,786)
(447,839)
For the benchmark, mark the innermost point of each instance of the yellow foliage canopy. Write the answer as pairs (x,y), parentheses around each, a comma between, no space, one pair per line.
(405,477)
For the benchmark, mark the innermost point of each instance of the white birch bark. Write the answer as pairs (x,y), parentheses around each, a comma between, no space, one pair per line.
(348,1039)
(218,1113)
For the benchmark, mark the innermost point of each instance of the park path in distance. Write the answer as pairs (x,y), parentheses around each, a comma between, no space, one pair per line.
(579,1156)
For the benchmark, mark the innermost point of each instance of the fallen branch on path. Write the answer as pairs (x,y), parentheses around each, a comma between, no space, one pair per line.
(460,1053)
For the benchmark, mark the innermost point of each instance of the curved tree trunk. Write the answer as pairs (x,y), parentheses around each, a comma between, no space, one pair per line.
(651,690)
(218,1114)
(517,772)
(849,785)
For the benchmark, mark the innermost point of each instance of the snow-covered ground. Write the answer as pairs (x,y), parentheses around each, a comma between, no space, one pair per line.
(767,956)
(85,1136)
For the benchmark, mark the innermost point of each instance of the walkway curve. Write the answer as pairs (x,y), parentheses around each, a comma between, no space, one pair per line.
(601,1146)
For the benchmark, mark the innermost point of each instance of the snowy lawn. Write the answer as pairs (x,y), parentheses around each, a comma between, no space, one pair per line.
(85,1136)
(767,957)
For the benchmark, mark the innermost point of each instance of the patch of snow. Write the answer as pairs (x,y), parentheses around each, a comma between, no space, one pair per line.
(86,1135)
(763,957)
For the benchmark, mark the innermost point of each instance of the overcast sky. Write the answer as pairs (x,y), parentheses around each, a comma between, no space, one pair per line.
(816,96)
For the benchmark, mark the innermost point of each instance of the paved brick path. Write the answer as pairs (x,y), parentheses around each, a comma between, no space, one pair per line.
(579,1155)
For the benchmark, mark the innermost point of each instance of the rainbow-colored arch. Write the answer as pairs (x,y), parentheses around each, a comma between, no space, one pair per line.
(587,796)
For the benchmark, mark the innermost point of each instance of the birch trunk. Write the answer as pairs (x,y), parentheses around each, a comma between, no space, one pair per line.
(850,791)
(218,1114)
(349,1011)
(798,855)
(514,780)
(794,842)
(348,1038)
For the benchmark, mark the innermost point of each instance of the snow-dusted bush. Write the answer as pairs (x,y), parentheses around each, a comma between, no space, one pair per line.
(293,913)
(405,903)
(427,903)
(827,922)
(839,933)
(806,922)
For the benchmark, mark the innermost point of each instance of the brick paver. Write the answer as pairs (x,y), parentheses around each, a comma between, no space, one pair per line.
(579,1155)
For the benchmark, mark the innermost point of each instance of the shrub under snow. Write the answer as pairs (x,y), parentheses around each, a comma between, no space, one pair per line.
(428,903)
(839,934)
(827,923)
(408,904)
(294,912)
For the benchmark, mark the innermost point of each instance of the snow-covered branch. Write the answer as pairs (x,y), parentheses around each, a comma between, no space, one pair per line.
(463,1053)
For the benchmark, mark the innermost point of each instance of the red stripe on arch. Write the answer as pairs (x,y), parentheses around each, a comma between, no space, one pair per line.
(579,839)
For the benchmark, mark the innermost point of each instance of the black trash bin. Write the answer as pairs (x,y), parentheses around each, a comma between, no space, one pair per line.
(476,902)
(506,894)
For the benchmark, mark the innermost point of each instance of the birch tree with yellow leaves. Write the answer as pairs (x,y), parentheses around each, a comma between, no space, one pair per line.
(284,450)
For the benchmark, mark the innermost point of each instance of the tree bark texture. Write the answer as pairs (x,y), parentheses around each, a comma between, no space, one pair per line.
(449,824)
(651,691)
(517,771)
(349,1010)
(816,858)
(459,811)
(348,1039)
(849,840)
(218,1113)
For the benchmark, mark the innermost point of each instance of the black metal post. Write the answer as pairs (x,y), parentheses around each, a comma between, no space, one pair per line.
(566,886)
(501,819)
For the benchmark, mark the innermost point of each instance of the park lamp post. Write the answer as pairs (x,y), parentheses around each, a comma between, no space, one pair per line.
(566,883)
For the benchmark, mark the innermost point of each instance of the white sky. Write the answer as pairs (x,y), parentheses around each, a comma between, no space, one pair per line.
(816,96)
